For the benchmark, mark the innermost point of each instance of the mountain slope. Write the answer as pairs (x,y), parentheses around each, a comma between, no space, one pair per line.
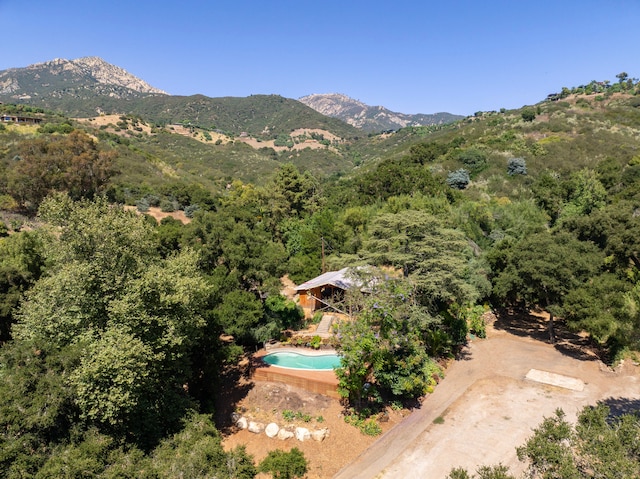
(265,116)
(83,78)
(371,118)
(87,87)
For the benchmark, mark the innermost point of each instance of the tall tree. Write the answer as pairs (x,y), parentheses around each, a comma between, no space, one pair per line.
(21,264)
(234,243)
(289,194)
(436,258)
(615,229)
(385,350)
(397,177)
(135,318)
(71,163)
(36,404)
(542,269)
(196,452)
(597,446)
(601,306)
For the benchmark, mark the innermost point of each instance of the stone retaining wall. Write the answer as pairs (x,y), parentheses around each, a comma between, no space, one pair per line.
(324,383)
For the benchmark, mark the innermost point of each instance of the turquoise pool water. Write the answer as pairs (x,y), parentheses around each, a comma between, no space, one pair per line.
(287,359)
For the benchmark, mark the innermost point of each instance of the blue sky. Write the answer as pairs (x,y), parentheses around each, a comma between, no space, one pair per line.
(459,56)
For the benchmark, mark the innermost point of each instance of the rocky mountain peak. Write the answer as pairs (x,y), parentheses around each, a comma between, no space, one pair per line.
(59,74)
(107,73)
(369,118)
(332,104)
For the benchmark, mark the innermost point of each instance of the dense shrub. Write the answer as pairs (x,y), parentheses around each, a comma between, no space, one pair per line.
(143,205)
(56,128)
(458,179)
(473,159)
(190,210)
(153,200)
(284,465)
(517,166)
(168,206)
(528,114)
(7,203)
(283,140)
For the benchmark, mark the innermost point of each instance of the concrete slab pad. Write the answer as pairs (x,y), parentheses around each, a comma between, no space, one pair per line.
(482,427)
(554,379)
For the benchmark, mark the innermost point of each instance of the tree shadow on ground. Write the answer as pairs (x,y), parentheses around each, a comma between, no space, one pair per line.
(463,353)
(235,383)
(535,325)
(620,406)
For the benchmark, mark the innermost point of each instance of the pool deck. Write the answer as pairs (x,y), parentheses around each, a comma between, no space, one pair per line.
(321,382)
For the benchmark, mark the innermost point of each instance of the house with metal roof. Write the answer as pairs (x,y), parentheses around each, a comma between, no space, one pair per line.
(326,292)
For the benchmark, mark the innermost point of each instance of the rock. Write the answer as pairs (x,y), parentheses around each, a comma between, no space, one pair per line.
(319,434)
(283,434)
(272,429)
(235,416)
(255,427)
(242,423)
(302,434)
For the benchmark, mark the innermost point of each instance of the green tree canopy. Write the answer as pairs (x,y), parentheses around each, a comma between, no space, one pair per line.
(71,163)
(105,288)
(196,452)
(597,446)
(436,258)
(542,269)
(397,177)
(385,349)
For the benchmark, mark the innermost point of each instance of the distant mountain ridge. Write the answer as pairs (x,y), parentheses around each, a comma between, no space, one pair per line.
(371,118)
(90,86)
(81,78)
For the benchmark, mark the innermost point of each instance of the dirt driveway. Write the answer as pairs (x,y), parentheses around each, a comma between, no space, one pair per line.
(485,407)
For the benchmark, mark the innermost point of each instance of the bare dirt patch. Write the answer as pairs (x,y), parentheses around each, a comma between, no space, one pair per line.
(112,120)
(535,325)
(492,416)
(101,120)
(197,134)
(307,143)
(159,215)
(266,401)
(288,287)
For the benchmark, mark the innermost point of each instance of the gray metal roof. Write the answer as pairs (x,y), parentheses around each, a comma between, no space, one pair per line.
(339,279)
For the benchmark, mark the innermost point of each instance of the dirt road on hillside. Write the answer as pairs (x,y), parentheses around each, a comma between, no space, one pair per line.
(485,408)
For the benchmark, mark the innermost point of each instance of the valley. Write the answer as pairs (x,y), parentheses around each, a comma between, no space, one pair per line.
(144,239)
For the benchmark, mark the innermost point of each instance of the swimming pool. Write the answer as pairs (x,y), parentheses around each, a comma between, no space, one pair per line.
(291,360)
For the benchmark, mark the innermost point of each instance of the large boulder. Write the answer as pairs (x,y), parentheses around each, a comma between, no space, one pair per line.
(272,429)
(283,434)
(302,434)
(255,427)
(242,422)
(319,434)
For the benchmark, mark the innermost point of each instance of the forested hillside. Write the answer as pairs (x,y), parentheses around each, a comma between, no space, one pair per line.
(111,322)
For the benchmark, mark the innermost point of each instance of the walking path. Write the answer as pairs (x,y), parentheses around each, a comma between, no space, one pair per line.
(323,326)
(486,407)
